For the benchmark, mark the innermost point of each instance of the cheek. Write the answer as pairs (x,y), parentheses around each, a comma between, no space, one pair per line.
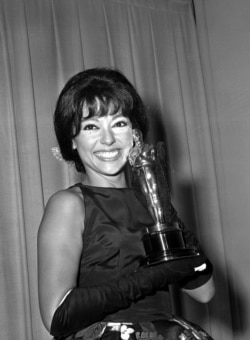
(85,141)
(129,139)
(125,138)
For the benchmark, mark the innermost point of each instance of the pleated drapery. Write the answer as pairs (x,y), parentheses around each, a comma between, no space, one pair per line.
(155,44)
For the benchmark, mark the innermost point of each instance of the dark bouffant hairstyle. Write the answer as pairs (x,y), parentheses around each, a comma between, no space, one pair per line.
(94,88)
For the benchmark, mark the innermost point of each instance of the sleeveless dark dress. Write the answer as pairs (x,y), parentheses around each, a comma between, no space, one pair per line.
(115,219)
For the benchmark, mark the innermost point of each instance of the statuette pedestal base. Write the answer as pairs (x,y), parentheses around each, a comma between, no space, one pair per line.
(166,245)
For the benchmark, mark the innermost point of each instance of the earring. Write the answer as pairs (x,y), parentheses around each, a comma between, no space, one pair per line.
(137,137)
(56,152)
(137,148)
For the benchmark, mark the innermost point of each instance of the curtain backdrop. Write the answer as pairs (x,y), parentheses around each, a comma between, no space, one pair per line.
(155,43)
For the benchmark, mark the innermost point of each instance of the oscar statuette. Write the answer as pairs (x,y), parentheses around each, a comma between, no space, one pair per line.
(163,241)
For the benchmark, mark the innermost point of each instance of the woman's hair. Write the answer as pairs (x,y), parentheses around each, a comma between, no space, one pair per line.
(92,91)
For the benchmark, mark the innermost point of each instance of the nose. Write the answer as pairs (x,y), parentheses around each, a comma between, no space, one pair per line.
(107,136)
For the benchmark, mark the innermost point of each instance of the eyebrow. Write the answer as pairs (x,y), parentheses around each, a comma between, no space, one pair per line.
(96,118)
(118,114)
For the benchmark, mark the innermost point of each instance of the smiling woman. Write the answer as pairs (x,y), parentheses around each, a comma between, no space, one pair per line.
(92,282)
(95,93)
(103,144)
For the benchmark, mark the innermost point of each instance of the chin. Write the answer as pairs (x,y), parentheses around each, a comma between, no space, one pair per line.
(114,170)
(112,173)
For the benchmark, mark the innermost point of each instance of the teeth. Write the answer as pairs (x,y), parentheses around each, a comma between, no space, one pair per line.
(107,154)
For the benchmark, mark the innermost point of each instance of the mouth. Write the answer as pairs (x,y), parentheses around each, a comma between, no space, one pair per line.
(107,155)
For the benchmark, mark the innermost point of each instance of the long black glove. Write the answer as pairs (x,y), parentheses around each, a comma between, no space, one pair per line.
(84,306)
(199,278)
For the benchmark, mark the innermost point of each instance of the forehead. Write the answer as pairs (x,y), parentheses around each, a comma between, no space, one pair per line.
(100,108)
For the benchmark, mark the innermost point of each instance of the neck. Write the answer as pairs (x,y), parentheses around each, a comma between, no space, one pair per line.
(117,181)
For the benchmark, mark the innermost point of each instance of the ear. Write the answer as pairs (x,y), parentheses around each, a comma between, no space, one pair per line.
(73,145)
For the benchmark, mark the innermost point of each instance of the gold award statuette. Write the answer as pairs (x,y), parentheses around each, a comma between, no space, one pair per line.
(162,241)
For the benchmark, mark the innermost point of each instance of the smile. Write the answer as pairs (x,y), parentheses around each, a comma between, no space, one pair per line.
(108,155)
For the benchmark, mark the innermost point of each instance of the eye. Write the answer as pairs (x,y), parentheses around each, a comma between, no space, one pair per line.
(121,123)
(89,127)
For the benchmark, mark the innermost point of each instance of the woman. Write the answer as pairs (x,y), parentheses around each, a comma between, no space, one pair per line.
(91,280)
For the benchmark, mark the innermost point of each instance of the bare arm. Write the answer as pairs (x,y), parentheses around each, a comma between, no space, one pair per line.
(59,250)
(203,293)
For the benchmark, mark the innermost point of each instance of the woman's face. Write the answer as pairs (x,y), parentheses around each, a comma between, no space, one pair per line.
(103,144)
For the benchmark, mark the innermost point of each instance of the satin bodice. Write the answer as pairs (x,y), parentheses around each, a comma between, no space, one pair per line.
(115,220)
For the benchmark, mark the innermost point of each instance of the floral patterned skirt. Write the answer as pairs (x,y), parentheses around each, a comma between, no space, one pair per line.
(174,328)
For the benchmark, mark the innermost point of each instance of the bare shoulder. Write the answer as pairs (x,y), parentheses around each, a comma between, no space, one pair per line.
(70,198)
(68,201)
(64,209)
